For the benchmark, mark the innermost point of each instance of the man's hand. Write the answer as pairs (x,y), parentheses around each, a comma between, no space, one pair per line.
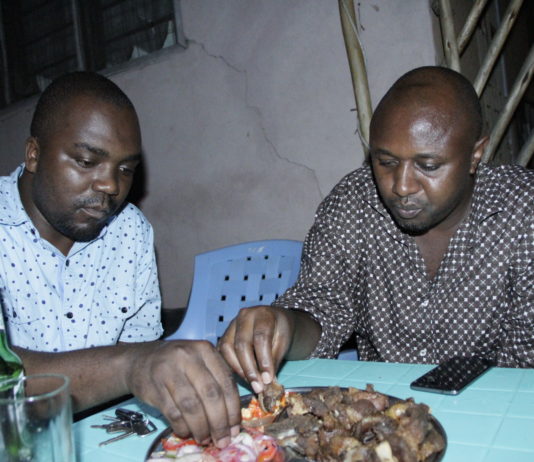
(187,380)
(256,341)
(191,385)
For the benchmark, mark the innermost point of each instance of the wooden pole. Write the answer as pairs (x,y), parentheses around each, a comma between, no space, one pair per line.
(450,45)
(496,45)
(470,24)
(520,86)
(358,70)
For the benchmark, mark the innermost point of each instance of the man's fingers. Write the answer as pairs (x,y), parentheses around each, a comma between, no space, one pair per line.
(244,347)
(187,408)
(221,399)
(174,417)
(206,396)
(263,348)
(226,348)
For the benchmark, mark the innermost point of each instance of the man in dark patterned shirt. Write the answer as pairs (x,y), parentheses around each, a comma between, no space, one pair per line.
(424,254)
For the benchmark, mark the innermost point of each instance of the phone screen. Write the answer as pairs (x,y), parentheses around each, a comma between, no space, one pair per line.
(452,376)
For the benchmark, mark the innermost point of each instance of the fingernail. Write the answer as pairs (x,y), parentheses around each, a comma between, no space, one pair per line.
(234,431)
(223,442)
(266,377)
(205,442)
(256,387)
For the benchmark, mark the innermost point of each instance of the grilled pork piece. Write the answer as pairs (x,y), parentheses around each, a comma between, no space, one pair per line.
(334,424)
(270,399)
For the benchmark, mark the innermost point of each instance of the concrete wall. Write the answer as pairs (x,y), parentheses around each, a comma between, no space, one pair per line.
(248,129)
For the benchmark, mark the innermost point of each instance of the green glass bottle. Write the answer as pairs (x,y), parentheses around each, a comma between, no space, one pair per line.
(15,448)
(10,363)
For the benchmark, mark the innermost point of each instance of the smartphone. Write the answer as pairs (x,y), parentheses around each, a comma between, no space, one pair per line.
(453,375)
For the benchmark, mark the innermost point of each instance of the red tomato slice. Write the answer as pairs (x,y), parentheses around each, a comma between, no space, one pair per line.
(173,443)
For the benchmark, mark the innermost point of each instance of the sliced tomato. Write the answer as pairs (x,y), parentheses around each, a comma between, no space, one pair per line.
(267,449)
(174,443)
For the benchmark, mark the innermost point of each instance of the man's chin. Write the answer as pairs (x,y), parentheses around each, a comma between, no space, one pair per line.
(412,227)
(82,234)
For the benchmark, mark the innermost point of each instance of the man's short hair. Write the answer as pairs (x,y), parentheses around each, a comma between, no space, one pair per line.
(68,86)
(467,98)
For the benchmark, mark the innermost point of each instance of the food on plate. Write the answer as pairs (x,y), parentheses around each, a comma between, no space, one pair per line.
(322,424)
(265,408)
(249,446)
(272,398)
(335,424)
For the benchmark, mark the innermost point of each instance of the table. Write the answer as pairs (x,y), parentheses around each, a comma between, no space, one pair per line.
(490,421)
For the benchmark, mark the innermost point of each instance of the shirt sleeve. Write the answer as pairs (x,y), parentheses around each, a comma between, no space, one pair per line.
(517,349)
(145,324)
(324,286)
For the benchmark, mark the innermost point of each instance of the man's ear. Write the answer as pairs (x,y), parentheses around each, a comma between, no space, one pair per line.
(31,158)
(478,152)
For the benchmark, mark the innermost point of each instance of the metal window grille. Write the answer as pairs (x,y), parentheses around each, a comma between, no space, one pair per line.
(42,39)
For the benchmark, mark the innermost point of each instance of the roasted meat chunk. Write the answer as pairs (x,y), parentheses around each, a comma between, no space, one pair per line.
(335,424)
(271,398)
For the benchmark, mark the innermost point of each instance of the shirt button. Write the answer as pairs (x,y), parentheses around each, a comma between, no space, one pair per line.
(69,315)
(422,352)
(124,309)
(424,304)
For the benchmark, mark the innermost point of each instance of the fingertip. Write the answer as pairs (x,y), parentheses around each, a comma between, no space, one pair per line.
(256,386)
(266,377)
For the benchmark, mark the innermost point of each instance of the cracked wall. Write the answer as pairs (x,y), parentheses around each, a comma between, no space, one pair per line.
(246,130)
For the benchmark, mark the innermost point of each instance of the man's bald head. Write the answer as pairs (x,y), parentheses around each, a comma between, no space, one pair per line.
(451,95)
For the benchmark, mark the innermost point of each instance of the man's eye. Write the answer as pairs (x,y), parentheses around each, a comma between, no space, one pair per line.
(429,167)
(386,163)
(127,171)
(84,163)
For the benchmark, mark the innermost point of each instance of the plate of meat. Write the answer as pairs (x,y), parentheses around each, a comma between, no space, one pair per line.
(317,424)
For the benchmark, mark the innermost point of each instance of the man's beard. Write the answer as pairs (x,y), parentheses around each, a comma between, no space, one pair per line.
(65,224)
(413,229)
(74,232)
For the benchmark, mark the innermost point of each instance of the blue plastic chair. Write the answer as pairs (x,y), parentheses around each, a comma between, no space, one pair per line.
(348,355)
(234,277)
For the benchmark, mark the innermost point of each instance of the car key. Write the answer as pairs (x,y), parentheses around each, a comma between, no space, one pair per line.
(143,427)
(119,437)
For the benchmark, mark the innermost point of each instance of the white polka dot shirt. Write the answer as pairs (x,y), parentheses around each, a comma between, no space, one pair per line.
(361,274)
(102,292)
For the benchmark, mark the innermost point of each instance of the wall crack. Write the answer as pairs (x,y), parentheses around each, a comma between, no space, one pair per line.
(258,113)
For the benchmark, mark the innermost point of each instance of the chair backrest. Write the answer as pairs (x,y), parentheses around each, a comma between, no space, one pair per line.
(233,277)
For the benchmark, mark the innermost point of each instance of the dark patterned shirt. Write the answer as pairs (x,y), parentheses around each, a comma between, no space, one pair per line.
(360,273)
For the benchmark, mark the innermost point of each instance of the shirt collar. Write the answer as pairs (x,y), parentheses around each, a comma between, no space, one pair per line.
(14,213)
(489,195)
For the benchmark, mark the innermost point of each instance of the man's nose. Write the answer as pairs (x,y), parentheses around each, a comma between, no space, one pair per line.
(405,182)
(107,181)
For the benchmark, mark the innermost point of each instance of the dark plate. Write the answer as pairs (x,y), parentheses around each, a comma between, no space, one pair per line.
(245,399)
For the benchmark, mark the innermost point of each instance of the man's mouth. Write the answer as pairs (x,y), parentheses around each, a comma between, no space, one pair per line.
(407,212)
(98,213)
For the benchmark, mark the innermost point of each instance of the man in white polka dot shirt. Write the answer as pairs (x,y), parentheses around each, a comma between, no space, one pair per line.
(424,254)
(78,278)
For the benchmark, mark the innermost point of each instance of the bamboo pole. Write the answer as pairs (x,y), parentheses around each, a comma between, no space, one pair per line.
(470,24)
(358,70)
(496,45)
(526,151)
(78,36)
(520,86)
(450,45)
